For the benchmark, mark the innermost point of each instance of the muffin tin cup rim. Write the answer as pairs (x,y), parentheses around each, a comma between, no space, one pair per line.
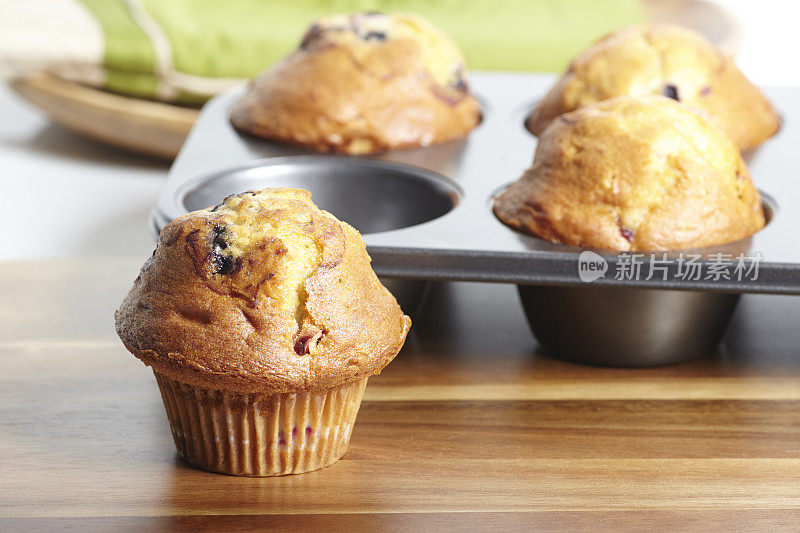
(184,188)
(161,214)
(388,200)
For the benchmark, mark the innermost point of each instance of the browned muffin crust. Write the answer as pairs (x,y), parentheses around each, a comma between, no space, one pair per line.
(362,84)
(634,174)
(262,293)
(666,60)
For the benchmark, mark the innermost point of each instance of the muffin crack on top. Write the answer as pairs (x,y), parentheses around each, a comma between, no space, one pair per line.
(261,293)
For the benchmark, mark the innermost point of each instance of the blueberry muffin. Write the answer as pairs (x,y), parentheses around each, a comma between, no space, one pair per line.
(361,84)
(666,60)
(634,174)
(262,321)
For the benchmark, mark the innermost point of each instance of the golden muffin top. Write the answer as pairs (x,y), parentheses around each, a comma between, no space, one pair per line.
(363,83)
(263,292)
(634,174)
(663,60)
(361,32)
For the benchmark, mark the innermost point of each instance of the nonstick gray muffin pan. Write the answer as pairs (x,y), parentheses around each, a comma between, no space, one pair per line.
(426,215)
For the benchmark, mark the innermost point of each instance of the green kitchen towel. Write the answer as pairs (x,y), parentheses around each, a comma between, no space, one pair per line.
(188,50)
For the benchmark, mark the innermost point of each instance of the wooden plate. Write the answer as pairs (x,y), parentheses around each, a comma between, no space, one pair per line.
(143,126)
(159,129)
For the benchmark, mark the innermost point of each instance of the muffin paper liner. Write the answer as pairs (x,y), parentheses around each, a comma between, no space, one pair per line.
(260,434)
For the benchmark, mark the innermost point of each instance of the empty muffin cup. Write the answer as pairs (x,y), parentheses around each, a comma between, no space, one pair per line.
(373,196)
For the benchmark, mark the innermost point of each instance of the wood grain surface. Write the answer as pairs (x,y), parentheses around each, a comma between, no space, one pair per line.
(470,428)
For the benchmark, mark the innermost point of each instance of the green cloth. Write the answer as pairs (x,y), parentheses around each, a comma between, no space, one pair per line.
(235,39)
(129,59)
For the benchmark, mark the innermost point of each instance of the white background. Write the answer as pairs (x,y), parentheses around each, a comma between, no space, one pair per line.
(62,195)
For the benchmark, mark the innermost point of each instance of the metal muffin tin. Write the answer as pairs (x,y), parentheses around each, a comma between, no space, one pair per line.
(426,215)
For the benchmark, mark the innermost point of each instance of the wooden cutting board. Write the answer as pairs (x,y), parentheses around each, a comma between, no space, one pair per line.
(159,129)
(471,427)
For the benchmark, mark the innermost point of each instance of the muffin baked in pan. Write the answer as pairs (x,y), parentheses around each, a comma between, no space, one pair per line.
(634,174)
(670,61)
(363,83)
